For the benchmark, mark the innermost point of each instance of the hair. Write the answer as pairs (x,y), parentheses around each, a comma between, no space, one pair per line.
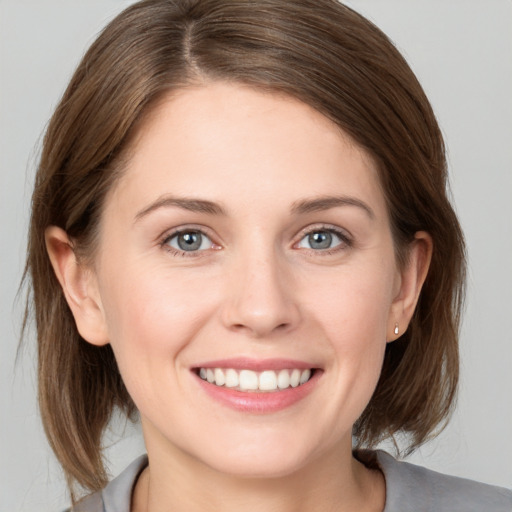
(318,51)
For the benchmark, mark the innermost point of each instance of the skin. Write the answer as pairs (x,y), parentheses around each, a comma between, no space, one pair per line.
(256,288)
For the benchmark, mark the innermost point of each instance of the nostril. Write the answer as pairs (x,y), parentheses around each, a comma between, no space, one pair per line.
(260,314)
(260,329)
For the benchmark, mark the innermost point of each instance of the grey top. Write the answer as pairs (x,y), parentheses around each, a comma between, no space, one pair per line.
(409,488)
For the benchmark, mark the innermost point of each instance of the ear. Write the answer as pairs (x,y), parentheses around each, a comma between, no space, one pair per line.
(410,282)
(79,285)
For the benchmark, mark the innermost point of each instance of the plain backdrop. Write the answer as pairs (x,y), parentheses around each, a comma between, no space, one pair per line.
(461,51)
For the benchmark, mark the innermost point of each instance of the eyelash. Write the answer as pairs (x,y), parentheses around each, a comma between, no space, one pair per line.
(346,241)
(185,254)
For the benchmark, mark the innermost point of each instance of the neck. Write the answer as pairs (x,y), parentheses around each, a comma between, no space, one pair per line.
(334,481)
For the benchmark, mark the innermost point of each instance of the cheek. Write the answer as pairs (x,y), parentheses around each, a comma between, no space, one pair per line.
(354,306)
(150,319)
(356,331)
(352,311)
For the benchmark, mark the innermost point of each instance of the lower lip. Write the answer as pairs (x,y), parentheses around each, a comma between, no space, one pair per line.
(262,403)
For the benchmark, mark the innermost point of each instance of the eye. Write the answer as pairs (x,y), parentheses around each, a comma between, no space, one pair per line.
(189,241)
(322,239)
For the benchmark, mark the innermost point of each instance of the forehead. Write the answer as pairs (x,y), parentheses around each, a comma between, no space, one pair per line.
(228,141)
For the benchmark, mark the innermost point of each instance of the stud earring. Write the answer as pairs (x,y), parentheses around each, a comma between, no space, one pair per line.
(396,329)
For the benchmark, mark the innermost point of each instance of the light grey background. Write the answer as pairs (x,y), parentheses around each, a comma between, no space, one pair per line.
(462,52)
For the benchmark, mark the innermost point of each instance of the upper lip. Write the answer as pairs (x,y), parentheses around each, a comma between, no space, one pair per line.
(245,363)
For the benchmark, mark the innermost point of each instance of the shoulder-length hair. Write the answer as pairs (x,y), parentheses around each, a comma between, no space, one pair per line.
(318,51)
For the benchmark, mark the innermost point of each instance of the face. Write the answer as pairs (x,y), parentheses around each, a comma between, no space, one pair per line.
(247,281)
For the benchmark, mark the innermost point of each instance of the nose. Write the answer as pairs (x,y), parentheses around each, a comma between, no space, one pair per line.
(261,298)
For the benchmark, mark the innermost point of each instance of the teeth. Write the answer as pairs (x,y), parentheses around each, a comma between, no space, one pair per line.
(220,379)
(304,376)
(294,378)
(283,379)
(231,378)
(267,381)
(248,380)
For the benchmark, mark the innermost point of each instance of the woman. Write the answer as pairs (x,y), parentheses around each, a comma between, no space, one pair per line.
(240,230)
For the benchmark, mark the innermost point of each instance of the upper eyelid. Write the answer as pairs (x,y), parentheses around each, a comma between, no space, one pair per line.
(181,232)
(343,233)
(172,232)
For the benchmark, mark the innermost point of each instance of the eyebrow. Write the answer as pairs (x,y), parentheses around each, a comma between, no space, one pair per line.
(302,206)
(327,202)
(190,204)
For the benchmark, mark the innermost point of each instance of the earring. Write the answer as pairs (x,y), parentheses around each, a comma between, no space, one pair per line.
(396,329)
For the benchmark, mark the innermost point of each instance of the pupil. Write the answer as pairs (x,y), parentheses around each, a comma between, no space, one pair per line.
(190,241)
(320,240)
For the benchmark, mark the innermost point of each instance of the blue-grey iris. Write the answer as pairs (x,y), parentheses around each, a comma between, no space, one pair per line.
(320,240)
(190,241)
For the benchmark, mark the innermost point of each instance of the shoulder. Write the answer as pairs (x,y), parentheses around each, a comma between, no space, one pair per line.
(414,488)
(116,496)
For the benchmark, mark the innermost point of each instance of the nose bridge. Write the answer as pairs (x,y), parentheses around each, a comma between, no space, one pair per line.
(261,297)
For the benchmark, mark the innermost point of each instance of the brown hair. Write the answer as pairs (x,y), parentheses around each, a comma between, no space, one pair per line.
(318,51)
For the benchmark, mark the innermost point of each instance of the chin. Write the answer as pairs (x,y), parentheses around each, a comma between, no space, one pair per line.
(264,466)
(259,454)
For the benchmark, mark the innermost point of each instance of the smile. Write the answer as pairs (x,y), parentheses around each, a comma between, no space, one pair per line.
(248,380)
(257,386)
